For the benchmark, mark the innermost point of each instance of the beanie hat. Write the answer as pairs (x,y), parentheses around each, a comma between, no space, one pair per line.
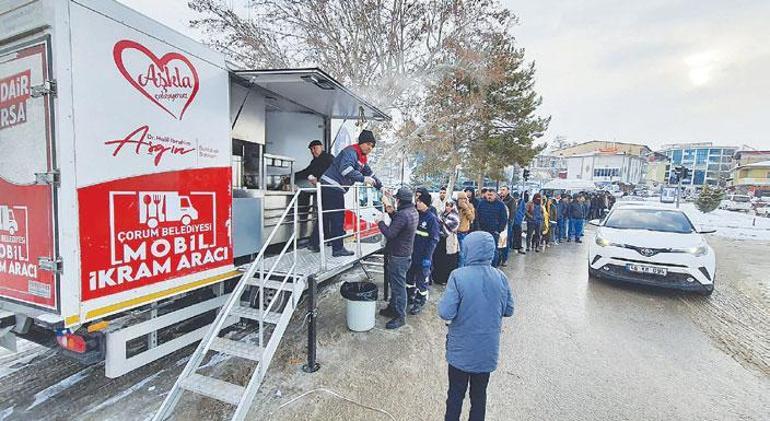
(366,136)
(404,194)
(426,199)
(314,143)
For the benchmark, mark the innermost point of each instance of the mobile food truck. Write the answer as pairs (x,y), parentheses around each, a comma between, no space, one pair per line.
(136,171)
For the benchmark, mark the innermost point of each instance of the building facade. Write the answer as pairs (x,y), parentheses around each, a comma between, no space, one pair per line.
(606,168)
(603,147)
(752,177)
(708,164)
(655,168)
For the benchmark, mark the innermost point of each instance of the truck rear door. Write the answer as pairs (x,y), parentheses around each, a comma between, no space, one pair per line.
(27,218)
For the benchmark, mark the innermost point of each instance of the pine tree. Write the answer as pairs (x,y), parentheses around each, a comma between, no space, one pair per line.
(709,199)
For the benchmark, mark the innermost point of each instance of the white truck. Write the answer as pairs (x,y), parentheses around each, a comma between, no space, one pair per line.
(134,174)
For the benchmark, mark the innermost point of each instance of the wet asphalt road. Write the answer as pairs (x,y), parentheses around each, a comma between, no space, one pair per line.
(576,348)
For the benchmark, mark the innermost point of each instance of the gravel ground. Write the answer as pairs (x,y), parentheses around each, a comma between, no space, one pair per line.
(576,348)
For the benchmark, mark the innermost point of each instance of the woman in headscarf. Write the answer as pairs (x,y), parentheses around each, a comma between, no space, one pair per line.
(445,256)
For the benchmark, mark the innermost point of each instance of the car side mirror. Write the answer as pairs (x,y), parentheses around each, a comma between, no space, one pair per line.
(595,222)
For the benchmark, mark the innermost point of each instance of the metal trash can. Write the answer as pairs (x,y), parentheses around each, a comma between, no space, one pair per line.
(360,304)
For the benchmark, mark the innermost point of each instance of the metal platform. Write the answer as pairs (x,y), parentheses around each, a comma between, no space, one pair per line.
(309,263)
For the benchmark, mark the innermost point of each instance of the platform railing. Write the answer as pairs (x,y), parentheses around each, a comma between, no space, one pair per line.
(318,191)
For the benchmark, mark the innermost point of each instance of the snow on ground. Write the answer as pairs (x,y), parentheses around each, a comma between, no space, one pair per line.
(57,388)
(729,224)
(26,351)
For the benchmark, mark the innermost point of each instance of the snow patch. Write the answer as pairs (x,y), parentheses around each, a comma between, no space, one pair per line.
(113,400)
(5,413)
(57,388)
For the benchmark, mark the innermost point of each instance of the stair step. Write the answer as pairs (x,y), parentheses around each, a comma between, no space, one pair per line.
(213,388)
(276,285)
(255,314)
(237,349)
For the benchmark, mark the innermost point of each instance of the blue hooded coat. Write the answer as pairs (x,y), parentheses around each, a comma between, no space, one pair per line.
(477,298)
(520,212)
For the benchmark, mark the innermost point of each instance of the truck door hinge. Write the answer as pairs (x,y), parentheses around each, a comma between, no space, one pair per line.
(47,178)
(50,265)
(46,88)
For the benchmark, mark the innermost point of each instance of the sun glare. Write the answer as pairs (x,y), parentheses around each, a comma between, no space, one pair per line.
(701,66)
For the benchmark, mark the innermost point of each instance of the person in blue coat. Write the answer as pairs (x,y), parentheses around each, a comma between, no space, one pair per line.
(477,298)
(577,215)
(425,239)
(349,167)
(493,218)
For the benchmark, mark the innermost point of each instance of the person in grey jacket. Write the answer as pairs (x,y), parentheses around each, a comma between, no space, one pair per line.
(477,298)
(400,235)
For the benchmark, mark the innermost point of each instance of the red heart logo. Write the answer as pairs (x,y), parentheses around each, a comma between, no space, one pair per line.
(171,82)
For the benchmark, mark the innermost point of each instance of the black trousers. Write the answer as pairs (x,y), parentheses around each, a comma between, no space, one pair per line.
(516,237)
(332,199)
(458,384)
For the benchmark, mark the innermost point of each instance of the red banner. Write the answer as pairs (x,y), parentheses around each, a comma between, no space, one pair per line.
(25,235)
(147,229)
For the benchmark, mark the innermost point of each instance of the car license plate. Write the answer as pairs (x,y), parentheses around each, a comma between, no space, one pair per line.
(651,270)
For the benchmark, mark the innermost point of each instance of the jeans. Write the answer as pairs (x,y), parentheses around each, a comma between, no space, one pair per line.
(458,384)
(504,252)
(496,258)
(397,267)
(331,198)
(516,244)
(460,256)
(563,228)
(575,228)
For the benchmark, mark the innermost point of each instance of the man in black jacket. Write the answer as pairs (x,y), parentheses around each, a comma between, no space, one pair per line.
(318,166)
(400,235)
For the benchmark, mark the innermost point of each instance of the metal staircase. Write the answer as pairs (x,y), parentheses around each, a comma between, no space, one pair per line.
(280,281)
(266,287)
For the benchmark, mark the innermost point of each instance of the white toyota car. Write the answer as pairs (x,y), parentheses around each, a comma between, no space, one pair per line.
(651,245)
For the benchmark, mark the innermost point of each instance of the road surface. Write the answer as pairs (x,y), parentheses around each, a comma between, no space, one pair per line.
(576,348)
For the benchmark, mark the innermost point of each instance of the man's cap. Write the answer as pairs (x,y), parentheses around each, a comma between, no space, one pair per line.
(314,143)
(366,136)
(404,194)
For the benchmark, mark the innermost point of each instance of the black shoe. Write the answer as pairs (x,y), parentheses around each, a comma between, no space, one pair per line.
(537,250)
(522,251)
(416,309)
(314,249)
(342,253)
(579,241)
(396,323)
(388,312)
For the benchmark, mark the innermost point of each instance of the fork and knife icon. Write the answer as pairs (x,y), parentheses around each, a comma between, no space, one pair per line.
(154,209)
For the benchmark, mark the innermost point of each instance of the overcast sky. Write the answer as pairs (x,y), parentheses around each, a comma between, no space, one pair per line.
(653,71)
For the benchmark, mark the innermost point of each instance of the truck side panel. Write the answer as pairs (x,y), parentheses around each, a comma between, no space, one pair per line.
(26,152)
(152,163)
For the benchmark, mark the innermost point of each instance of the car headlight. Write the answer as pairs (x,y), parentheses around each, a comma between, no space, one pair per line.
(602,242)
(698,251)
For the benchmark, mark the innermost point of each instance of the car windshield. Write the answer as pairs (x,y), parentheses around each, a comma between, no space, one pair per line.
(741,199)
(649,219)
